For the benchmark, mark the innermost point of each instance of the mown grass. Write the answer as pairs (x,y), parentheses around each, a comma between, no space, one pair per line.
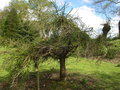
(107,73)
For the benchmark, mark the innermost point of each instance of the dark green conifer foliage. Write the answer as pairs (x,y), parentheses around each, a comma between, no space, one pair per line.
(11,24)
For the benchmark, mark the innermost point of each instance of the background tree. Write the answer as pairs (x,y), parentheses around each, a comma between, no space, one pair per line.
(22,8)
(41,12)
(109,8)
(11,24)
(106,29)
(24,27)
(3,15)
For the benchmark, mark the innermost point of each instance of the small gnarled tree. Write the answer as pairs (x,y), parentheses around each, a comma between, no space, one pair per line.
(106,29)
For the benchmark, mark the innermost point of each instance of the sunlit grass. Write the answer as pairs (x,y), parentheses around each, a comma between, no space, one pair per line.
(105,71)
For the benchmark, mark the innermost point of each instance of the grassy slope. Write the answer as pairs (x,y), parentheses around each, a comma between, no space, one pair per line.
(107,72)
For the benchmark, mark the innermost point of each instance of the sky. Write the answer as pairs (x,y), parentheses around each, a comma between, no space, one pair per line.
(4,3)
(83,9)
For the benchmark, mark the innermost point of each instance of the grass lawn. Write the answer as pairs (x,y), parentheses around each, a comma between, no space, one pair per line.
(84,72)
(107,73)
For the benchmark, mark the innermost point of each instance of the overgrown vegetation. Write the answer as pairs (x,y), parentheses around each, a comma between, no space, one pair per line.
(40,40)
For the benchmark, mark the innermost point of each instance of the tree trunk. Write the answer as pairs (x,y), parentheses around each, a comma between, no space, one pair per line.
(38,76)
(62,69)
(106,29)
(38,79)
(119,29)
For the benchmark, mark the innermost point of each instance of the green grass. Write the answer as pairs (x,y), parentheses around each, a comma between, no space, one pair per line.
(106,72)
(83,65)
(3,55)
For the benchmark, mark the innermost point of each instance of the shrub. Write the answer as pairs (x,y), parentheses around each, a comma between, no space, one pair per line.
(115,44)
(102,50)
(111,53)
(113,49)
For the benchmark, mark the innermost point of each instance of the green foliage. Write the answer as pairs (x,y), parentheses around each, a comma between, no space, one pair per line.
(100,46)
(111,53)
(87,70)
(102,50)
(9,42)
(3,15)
(93,47)
(17,24)
(115,38)
(22,8)
(113,49)
(28,31)
(19,30)
(64,37)
(84,81)
(11,24)
(65,29)
(115,44)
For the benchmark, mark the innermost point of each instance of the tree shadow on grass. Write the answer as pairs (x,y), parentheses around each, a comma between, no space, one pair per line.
(49,80)
(110,81)
(4,83)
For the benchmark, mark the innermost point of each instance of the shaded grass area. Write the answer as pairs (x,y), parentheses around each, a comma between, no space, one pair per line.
(82,74)
(107,73)
(74,81)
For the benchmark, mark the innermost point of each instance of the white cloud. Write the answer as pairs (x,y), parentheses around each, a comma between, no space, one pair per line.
(87,1)
(59,2)
(4,3)
(114,24)
(89,17)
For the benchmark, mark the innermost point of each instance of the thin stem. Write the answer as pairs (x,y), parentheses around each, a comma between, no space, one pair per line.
(38,79)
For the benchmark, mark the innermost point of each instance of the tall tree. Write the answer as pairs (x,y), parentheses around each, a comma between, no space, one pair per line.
(22,8)
(24,27)
(11,24)
(3,15)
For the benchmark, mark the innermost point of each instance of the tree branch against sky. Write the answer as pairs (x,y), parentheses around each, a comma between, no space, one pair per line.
(36,32)
(110,8)
(109,1)
(84,9)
